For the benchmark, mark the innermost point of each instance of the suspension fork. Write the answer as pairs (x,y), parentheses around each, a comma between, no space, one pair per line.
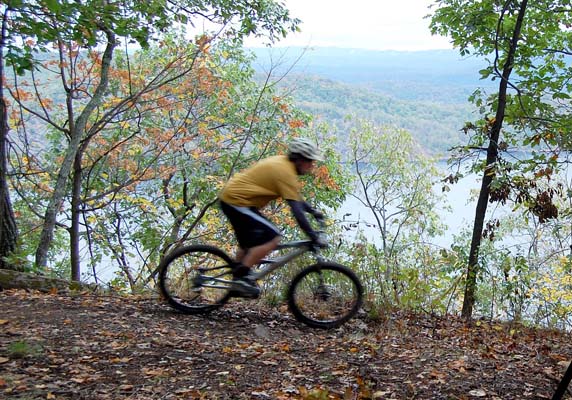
(319,261)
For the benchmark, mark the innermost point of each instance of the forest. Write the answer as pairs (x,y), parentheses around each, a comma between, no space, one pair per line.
(121,122)
(117,139)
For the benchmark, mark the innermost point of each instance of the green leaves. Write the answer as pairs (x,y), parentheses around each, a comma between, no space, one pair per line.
(53,6)
(485,73)
(46,21)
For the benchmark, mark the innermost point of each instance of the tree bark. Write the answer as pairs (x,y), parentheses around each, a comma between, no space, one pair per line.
(8,227)
(492,158)
(75,215)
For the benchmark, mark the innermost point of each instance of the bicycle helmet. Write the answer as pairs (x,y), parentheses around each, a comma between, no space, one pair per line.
(306,149)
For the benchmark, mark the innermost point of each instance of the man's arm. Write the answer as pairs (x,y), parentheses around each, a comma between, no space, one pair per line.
(311,210)
(298,208)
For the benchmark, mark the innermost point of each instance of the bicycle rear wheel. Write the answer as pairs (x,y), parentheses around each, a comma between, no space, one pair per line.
(196,279)
(325,295)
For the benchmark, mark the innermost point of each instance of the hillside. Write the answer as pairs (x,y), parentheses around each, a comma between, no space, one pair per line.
(436,126)
(82,347)
(424,92)
(432,75)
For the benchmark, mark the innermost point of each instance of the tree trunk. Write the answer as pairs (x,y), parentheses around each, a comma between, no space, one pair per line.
(75,214)
(492,158)
(8,227)
(77,130)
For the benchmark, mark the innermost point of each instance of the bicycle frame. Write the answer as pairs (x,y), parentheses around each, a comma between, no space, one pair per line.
(269,265)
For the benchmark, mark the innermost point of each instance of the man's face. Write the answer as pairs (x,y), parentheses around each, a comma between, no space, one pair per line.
(305,166)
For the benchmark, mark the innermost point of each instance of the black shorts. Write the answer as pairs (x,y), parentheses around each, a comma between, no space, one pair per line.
(250,227)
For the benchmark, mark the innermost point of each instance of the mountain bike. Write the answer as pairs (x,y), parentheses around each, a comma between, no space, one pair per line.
(197,279)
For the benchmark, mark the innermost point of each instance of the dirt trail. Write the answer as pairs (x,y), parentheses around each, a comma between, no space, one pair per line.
(55,346)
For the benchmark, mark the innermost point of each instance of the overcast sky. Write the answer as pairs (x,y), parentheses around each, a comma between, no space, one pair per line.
(366,24)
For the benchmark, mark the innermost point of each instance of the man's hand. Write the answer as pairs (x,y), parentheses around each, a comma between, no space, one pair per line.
(320,242)
(318,215)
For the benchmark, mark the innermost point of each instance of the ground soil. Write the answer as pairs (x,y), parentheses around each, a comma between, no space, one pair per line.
(85,346)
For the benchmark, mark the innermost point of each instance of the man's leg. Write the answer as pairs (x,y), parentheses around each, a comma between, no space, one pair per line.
(244,285)
(255,254)
(257,237)
(240,255)
(248,258)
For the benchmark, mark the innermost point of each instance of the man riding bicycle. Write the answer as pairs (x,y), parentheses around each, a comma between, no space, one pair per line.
(250,190)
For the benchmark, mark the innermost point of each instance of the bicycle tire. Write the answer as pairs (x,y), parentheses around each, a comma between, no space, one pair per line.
(321,286)
(190,291)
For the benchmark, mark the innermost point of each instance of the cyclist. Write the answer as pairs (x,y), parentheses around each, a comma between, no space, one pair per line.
(250,190)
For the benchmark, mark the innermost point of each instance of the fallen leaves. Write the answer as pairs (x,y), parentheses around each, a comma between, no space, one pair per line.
(158,372)
(478,393)
(459,365)
(105,348)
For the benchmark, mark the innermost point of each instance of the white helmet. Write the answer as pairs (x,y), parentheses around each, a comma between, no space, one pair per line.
(306,149)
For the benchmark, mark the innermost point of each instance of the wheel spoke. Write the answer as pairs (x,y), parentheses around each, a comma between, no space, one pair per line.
(325,296)
(196,279)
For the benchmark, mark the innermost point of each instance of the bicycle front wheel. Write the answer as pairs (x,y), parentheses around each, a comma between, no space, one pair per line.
(325,295)
(196,279)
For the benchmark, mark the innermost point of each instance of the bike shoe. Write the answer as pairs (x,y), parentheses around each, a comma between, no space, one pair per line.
(245,287)
(239,270)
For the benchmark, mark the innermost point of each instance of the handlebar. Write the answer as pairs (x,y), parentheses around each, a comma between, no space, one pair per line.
(322,240)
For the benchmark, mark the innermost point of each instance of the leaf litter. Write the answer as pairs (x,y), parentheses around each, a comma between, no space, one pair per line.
(105,347)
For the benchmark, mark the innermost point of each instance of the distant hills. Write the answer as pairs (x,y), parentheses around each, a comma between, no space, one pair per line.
(424,92)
